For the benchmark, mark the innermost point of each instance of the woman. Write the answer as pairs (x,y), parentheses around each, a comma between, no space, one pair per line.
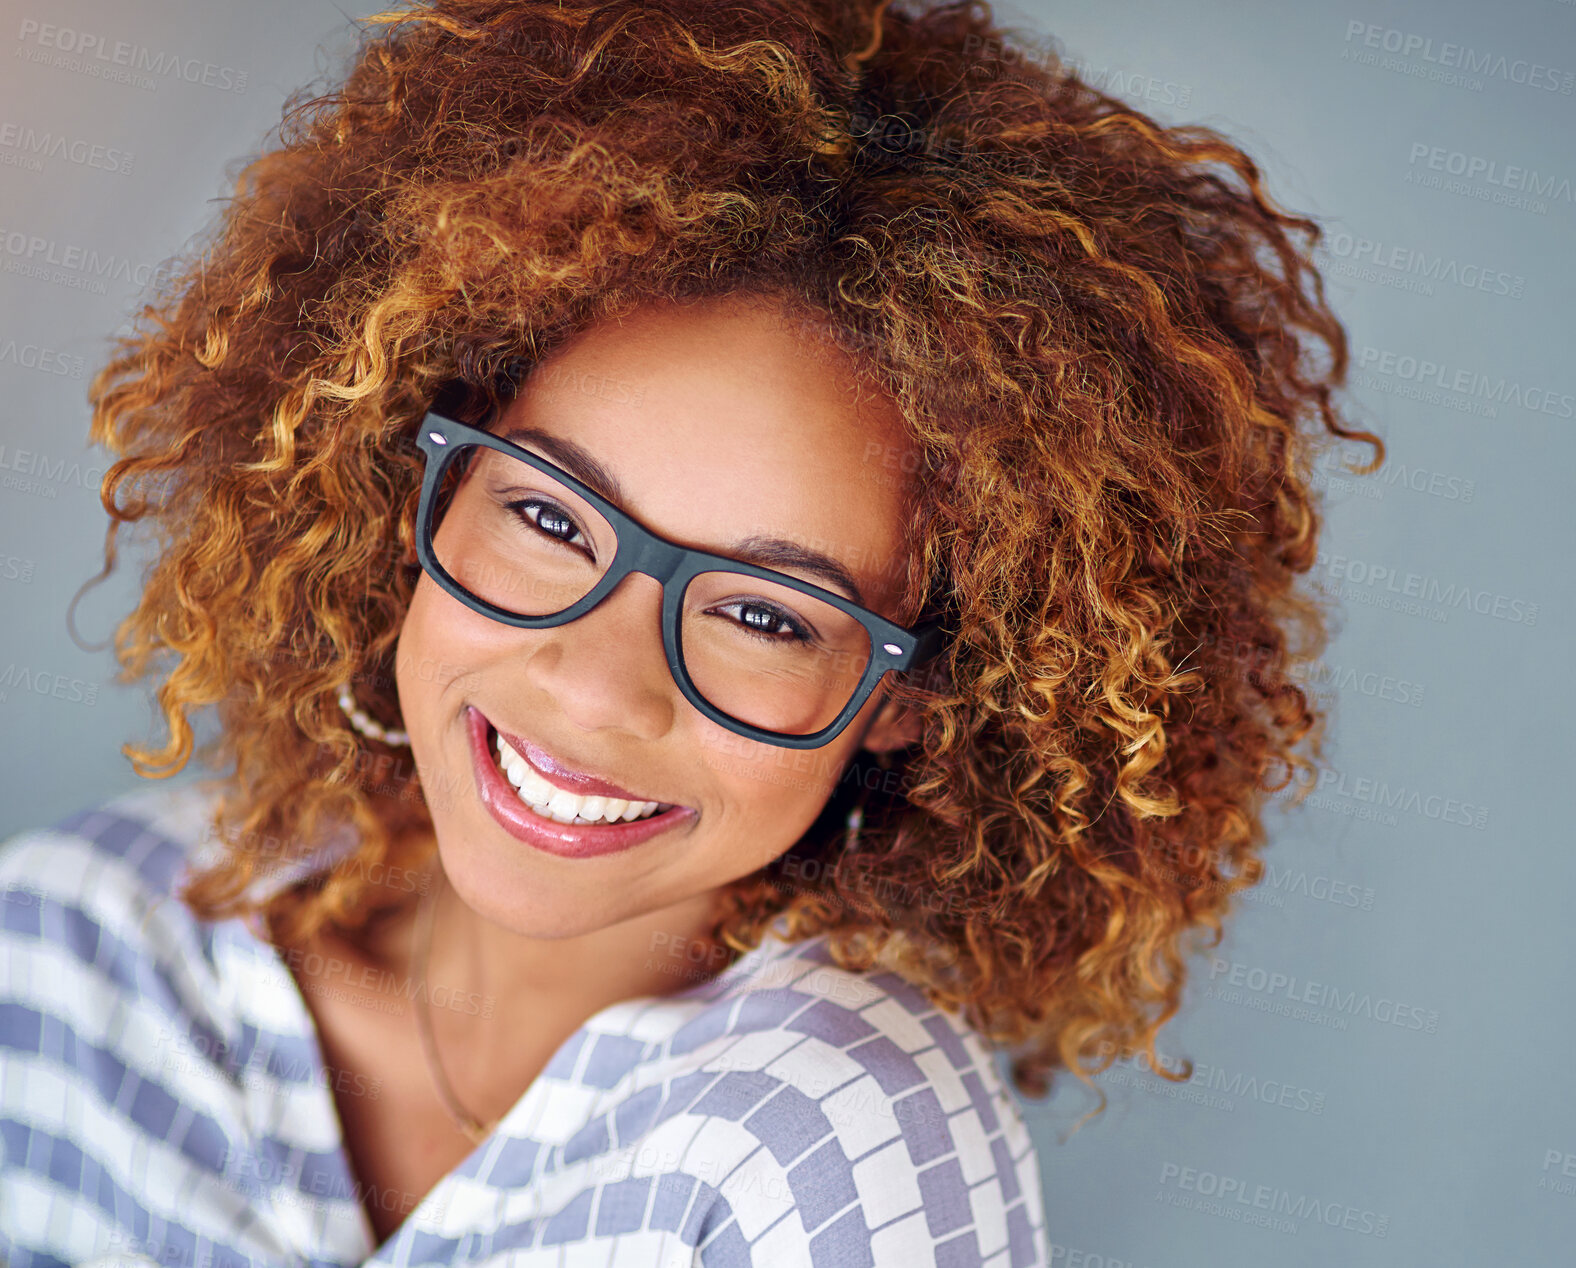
(743,557)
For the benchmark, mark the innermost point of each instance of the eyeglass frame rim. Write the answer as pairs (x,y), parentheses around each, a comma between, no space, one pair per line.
(671,565)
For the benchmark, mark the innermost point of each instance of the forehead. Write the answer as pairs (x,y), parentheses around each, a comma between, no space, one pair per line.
(728,419)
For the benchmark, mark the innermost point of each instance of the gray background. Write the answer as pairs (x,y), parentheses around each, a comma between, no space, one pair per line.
(1429,880)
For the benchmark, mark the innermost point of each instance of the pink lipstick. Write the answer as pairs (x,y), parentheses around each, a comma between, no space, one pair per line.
(566,840)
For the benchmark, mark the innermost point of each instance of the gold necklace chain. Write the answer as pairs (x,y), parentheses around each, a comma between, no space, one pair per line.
(467,1122)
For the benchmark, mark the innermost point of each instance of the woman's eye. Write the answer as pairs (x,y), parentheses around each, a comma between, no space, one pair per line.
(550,520)
(768,622)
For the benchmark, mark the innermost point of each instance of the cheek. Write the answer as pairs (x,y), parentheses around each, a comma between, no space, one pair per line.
(411,651)
(414,669)
(777,793)
(440,641)
(431,653)
(774,792)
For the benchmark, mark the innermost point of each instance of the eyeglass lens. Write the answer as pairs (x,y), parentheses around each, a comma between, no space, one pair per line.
(763,653)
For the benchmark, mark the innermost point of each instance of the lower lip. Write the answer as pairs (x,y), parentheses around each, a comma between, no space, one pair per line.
(567,840)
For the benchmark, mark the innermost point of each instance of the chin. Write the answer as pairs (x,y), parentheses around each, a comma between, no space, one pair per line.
(529,901)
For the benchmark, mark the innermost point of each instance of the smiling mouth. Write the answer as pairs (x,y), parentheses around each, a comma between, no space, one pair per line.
(559,805)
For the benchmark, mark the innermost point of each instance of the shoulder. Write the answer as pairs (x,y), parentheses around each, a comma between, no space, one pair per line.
(115,868)
(94,935)
(104,870)
(97,955)
(843,1118)
(142,837)
(96,963)
(131,1029)
(97,888)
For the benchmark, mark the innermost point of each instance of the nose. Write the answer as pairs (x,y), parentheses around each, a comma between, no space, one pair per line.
(608,668)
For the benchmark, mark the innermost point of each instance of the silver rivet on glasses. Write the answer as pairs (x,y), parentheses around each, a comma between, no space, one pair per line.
(436,438)
(893,648)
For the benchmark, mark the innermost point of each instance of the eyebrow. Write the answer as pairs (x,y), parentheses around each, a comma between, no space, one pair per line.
(779,553)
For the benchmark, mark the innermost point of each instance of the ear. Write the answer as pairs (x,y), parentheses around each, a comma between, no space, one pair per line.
(893,726)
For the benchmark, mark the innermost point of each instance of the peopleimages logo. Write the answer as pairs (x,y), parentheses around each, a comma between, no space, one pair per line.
(1332,781)
(34,466)
(1322,889)
(33,143)
(1562,1164)
(1477,167)
(118,60)
(30,356)
(1270,1199)
(1439,484)
(1427,589)
(1288,986)
(1369,683)
(1416,261)
(1251,1087)
(1444,54)
(29,252)
(44,682)
(1121,83)
(1500,390)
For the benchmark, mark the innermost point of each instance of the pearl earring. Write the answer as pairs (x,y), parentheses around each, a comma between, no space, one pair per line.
(366,725)
(854,822)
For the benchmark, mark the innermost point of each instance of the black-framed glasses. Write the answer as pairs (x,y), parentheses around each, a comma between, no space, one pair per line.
(765,654)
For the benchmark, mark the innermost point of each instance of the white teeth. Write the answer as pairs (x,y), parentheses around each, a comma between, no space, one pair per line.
(561,806)
(564,806)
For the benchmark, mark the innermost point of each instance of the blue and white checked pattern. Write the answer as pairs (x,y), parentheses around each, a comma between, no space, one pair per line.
(163,1101)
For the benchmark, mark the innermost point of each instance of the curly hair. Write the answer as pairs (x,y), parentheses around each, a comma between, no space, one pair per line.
(1110,345)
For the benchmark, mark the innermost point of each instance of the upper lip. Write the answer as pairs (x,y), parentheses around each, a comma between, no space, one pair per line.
(557,773)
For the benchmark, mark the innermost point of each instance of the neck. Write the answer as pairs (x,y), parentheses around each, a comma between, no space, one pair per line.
(477,969)
(654,954)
